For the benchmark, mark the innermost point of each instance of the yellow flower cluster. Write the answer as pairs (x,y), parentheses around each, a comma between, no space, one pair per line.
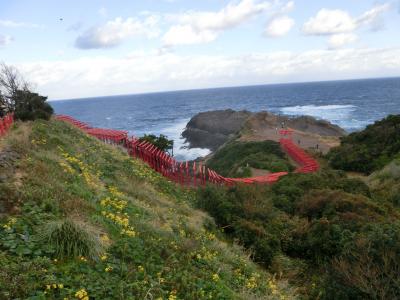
(10,223)
(121,220)
(114,211)
(172,295)
(129,232)
(82,258)
(67,168)
(82,295)
(115,203)
(141,269)
(88,175)
(215,277)
(42,141)
(251,283)
(108,269)
(54,286)
(114,191)
(103,257)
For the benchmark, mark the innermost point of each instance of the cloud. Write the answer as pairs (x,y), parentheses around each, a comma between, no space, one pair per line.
(114,32)
(204,26)
(341,39)
(279,26)
(328,22)
(373,17)
(5,40)
(187,35)
(158,71)
(13,24)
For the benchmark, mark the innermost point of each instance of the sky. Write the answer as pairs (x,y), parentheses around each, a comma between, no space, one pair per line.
(73,49)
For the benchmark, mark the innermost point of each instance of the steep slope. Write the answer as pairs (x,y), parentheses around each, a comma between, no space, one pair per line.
(80,219)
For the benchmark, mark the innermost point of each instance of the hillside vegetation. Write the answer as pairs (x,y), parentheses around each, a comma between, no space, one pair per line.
(370,149)
(81,220)
(235,159)
(332,236)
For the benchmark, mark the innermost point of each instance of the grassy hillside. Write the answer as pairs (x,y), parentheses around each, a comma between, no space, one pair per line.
(236,158)
(81,220)
(368,150)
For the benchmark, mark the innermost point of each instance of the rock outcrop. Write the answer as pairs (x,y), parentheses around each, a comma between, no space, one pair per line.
(212,129)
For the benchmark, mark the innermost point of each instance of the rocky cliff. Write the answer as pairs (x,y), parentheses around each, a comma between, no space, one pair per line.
(213,128)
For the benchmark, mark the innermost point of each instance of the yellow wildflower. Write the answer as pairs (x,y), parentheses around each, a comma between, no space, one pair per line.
(215,277)
(108,269)
(82,294)
(172,295)
(103,257)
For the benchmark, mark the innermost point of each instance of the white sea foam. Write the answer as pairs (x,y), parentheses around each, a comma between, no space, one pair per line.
(181,150)
(341,115)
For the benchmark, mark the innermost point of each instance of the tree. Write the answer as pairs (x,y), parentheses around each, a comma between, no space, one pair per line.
(16,96)
(11,81)
(161,142)
(31,106)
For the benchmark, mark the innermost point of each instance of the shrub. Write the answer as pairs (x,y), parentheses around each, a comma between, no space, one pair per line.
(370,149)
(371,263)
(68,239)
(31,106)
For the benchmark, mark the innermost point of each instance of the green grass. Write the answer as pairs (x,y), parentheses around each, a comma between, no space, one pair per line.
(82,219)
(236,158)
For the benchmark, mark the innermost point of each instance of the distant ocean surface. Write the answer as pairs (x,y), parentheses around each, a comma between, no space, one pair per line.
(351,104)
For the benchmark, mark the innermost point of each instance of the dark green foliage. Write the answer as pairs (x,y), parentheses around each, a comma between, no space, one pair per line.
(161,142)
(326,220)
(235,158)
(31,106)
(244,214)
(370,149)
(290,189)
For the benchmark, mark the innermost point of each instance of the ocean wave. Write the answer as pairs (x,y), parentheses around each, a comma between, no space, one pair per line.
(341,115)
(181,150)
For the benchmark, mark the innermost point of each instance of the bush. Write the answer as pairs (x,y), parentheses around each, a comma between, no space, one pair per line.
(31,106)
(370,263)
(370,149)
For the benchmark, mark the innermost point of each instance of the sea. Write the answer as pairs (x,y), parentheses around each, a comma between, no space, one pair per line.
(351,104)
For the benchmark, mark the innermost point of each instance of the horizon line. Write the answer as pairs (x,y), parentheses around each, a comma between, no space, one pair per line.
(225,87)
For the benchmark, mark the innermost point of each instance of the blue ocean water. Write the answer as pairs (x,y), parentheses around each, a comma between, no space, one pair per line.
(351,104)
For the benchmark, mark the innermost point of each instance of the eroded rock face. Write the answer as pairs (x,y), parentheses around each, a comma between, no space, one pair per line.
(212,129)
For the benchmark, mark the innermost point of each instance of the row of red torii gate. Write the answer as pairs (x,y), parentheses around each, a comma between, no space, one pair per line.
(192,173)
